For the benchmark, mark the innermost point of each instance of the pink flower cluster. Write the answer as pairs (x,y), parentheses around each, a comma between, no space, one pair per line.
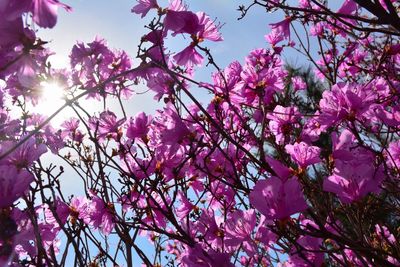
(276,167)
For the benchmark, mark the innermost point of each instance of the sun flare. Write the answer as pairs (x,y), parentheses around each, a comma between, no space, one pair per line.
(52,97)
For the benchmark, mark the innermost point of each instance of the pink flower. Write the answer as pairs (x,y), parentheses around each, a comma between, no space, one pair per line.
(280,170)
(27,69)
(197,257)
(182,22)
(263,232)
(210,31)
(273,38)
(8,127)
(85,54)
(53,139)
(383,3)
(22,244)
(160,83)
(13,184)
(393,155)
(355,174)
(11,31)
(220,196)
(345,101)
(298,83)
(11,9)
(176,5)
(312,252)
(348,7)
(77,208)
(23,156)
(318,29)
(256,79)
(45,12)
(390,118)
(279,32)
(313,129)
(241,224)
(207,225)
(94,63)
(185,208)
(97,214)
(276,199)
(71,129)
(384,234)
(169,128)
(107,125)
(303,154)
(304,4)
(158,206)
(61,210)
(207,30)
(282,121)
(138,126)
(346,149)
(238,229)
(144,6)
(189,57)
(351,181)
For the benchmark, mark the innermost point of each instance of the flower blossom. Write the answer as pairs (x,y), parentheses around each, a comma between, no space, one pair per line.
(348,7)
(393,155)
(208,30)
(279,32)
(303,154)
(138,126)
(24,155)
(344,101)
(298,83)
(107,125)
(276,199)
(189,56)
(144,6)
(238,229)
(182,22)
(13,184)
(71,130)
(45,12)
(185,208)
(97,214)
(281,122)
(351,181)
(197,257)
(355,174)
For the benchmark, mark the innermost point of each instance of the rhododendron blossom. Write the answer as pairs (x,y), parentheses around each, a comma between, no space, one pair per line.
(13,183)
(303,154)
(276,199)
(182,22)
(282,121)
(279,32)
(144,6)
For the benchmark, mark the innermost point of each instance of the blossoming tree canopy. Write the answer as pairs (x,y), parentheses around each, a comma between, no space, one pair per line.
(261,163)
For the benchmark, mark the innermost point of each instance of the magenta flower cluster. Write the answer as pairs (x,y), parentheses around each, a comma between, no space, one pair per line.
(274,167)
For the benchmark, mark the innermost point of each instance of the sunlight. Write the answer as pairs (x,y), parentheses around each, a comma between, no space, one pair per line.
(52,97)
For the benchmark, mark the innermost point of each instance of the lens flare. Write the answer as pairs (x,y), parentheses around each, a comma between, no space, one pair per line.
(52,97)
